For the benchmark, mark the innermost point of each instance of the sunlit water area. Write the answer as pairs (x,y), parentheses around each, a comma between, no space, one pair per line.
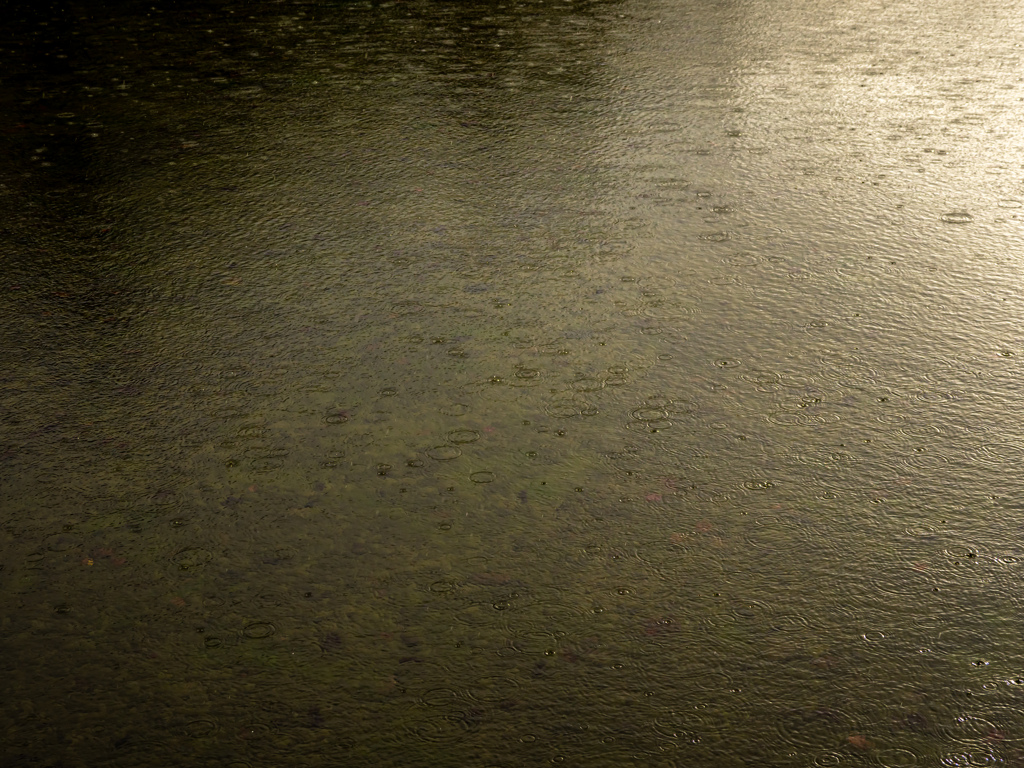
(511,383)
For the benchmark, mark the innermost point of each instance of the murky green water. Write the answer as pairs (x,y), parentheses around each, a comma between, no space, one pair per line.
(512,383)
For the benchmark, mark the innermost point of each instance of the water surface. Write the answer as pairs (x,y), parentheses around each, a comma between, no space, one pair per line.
(503,384)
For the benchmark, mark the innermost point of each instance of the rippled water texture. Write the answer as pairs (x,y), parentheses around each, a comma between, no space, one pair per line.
(510,383)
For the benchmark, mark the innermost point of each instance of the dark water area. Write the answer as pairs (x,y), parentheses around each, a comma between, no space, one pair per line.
(610,383)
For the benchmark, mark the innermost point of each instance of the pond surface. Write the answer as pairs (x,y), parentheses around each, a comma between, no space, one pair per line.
(505,384)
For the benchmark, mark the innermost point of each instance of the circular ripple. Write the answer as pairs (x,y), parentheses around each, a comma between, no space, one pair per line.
(998,454)
(963,552)
(743,260)
(478,614)
(690,725)
(492,688)
(587,385)
(656,425)
(266,465)
(828,759)
(535,642)
(903,581)
(197,729)
(648,413)
(705,681)
(439,729)
(772,534)
(964,642)
(743,611)
(444,452)
(562,410)
(957,217)
(60,542)
(462,436)
(789,419)
(926,460)
(259,630)
(973,729)
(663,553)
(814,727)
(439,697)
(788,623)
(713,493)
(191,558)
(825,458)
(550,616)
(482,477)
(764,381)
(679,408)
(976,759)
(253,731)
(336,418)
(896,758)
(891,418)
